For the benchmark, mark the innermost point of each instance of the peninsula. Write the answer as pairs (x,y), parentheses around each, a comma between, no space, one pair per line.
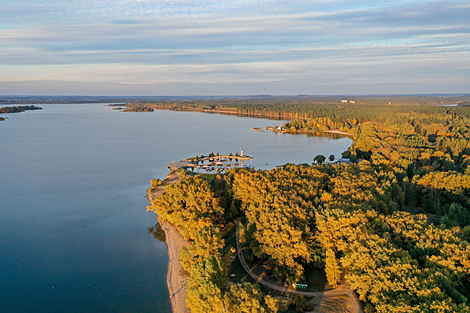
(218,163)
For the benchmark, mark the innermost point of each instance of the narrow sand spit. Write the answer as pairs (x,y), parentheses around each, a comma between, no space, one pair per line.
(177,279)
(338,132)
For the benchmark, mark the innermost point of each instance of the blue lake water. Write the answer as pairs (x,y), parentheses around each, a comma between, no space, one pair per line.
(73,224)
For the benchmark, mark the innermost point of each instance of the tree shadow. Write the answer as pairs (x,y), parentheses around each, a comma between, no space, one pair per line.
(157,231)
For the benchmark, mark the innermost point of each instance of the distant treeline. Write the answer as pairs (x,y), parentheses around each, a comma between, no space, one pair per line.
(59,100)
(305,107)
(276,103)
(93,99)
(18,109)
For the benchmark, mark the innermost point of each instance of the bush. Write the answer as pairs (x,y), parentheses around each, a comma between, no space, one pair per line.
(155,182)
(300,304)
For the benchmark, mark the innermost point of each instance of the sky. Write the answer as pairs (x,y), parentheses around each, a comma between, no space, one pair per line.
(234,47)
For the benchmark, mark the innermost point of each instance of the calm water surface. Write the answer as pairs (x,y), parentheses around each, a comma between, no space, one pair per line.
(73,225)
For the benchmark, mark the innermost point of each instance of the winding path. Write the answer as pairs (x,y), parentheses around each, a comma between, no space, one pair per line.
(317,294)
(265,283)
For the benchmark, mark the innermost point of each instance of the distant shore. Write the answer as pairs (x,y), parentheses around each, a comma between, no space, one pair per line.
(286,131)
(177,278)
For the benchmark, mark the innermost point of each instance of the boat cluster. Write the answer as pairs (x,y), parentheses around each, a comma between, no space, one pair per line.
(217,165)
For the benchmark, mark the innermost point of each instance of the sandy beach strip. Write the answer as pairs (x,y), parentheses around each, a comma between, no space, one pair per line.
(177,278)
(339,132)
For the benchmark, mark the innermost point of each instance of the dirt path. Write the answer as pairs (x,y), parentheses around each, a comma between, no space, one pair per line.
(341,299)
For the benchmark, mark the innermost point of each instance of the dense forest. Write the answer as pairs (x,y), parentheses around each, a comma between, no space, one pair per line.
(395,222)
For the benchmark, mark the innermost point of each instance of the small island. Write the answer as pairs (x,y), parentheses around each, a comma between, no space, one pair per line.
(18,109)
(136,109)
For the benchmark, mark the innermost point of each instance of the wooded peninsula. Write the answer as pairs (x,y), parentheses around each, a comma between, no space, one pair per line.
(394,224)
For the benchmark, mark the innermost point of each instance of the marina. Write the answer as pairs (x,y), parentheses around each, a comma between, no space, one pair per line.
(211,164)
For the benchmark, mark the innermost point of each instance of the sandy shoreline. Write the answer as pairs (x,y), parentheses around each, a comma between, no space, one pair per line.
(338,132)
(176,279)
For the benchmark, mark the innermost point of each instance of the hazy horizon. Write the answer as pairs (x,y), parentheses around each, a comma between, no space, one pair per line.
(208,48)
(251,96)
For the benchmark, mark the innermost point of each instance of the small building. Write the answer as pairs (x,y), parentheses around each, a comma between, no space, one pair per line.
(344,101)
(352,101)
(344,161)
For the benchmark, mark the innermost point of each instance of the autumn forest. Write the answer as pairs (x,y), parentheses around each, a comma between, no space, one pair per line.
(395,223)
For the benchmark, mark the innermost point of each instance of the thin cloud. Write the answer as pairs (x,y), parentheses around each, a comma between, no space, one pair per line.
(133,43)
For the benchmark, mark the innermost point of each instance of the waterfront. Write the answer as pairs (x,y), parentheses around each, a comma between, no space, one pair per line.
(73,231)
